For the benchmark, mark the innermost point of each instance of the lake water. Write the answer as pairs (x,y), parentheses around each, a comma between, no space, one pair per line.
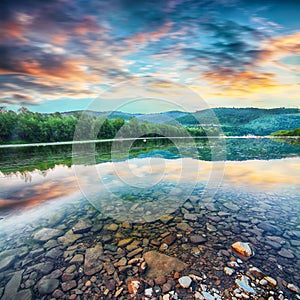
(140,193)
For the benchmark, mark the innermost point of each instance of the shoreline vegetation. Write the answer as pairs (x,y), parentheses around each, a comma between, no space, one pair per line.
(26,127)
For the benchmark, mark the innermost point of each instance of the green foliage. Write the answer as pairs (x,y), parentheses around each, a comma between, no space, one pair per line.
(32,127)
(293,132)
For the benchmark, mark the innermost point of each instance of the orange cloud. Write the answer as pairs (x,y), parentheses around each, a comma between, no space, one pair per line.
(12,30)
(242,81)
(142,39)
(279,47)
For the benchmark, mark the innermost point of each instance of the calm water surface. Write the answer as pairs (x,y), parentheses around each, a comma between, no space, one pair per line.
(255,191)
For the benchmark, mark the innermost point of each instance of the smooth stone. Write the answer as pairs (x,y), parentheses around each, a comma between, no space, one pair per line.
(286,253)
(47,285)
(110,284)
(68,285)
(197,239)
(271,280)
(273,244)
(125,242)
(50,244)
(162,265)
(228,271)
(58,294)
(293,288)
(82,227)
(77,259)
(7,262)
(111,227)
(44,268)
(211,228)
(190,217)
(243,249)
(135,252)
(231,206)
(185,281)
(110,247)
(243,284)
(46,234)
(121,262)
(166,219)
(92,262)
(54,253)
(208,296)
(69,238)
(184,227)
(169,240)
(266,226)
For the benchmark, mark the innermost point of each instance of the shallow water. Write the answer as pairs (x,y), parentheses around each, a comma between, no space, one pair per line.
(248,199)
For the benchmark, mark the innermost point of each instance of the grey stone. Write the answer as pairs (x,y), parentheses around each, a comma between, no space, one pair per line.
(69,238)
(286,253)
(77,259)
(47,285)
(184,227)
(7,262)
(267,227)
(54,253)
(82,227)
(46,234)
(92,262)
(11,288)
(197,239)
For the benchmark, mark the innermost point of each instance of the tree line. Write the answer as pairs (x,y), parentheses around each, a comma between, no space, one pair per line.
(27,126)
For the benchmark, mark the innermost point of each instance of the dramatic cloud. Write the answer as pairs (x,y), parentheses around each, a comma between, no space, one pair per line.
(61,50)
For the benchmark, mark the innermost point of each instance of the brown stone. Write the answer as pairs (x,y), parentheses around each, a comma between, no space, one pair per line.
(169,240)
(162,265)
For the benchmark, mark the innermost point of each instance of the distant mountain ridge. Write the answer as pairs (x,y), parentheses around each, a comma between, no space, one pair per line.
(234,121)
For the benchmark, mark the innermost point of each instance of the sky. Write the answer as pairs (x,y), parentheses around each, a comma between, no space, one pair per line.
(61,55)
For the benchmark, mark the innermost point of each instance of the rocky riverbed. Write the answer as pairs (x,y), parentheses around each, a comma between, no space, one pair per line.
(236,245)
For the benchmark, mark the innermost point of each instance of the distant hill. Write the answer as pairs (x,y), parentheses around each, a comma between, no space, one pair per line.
(234,121)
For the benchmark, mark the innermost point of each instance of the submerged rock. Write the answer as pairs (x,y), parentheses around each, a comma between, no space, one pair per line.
(185,281)
(134,286)
(162,265)
(82,227)
(197,239)
(92,262)
(243,284)
(46,234)
(47,285)
(11,289)
(243,249)
(7,262)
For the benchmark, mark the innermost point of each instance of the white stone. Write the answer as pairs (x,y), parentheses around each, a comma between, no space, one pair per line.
(228,271)
(208,296)
(185,281)
(243,284)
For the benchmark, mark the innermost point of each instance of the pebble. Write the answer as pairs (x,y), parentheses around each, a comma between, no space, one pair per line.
(197,239)
(286,253)
(228,271)
(185,281)
(243,249)
(68,285)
